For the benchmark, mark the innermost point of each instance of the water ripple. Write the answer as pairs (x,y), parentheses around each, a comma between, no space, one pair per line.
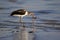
(44,11)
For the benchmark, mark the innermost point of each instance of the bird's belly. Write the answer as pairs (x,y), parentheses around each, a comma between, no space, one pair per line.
(19,15)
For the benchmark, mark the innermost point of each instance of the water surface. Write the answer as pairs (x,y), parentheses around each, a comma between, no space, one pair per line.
(46,11)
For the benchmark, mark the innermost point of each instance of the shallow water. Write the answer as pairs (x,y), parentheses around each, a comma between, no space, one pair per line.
(46,11)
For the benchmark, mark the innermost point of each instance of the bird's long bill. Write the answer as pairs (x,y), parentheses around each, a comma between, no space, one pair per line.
(30,13)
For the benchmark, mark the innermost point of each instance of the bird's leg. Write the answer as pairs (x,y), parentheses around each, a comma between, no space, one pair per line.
(22,23)
(22,28)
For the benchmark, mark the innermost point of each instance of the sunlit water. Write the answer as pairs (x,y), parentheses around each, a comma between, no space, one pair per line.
(46,11)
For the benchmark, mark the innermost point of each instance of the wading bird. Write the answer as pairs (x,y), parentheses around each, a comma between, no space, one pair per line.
(21,13)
